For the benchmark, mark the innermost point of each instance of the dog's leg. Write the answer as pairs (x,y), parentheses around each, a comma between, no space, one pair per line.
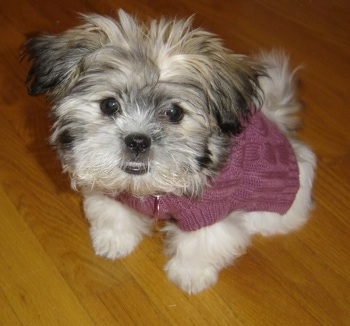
(197,257)
(115,229)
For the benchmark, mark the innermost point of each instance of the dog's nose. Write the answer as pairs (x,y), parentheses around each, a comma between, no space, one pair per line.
(138,143)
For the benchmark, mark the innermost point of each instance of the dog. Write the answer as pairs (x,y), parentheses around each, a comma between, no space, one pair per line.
(158,120)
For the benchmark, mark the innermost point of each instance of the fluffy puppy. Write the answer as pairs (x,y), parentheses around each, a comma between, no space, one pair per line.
(160,120)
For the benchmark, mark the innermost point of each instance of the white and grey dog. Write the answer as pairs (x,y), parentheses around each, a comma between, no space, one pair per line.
(159,119)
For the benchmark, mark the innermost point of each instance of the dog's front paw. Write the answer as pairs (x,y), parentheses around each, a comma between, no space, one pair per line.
(113,244)
(191,279)
(115,229)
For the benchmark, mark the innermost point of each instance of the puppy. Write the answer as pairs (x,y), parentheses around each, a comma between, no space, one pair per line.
(160,120)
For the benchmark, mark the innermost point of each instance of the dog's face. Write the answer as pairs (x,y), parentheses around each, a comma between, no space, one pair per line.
(145,109)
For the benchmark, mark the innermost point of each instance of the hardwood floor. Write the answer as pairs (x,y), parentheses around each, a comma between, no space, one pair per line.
(49,274)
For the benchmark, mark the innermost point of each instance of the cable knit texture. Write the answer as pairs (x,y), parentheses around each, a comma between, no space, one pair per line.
(261,174)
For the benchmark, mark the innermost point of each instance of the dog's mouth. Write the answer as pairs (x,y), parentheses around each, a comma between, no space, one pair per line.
(136,168)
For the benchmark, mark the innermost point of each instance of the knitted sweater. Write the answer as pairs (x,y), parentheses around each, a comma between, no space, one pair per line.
(261,174)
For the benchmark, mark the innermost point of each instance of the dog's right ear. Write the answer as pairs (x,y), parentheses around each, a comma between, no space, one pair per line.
(55,59)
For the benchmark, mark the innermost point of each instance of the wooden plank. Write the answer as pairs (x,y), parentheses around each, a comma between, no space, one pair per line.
(32,285)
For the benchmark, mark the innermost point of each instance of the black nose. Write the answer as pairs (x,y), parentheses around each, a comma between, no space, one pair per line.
(138,143)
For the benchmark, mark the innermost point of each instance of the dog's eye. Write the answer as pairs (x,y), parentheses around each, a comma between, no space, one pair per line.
(109,106)
(175,113)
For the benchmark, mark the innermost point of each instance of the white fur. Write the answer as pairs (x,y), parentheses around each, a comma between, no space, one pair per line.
(197,257)
(279,89)
(115,229)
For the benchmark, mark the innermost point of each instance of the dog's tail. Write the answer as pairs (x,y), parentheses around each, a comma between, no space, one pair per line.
(279,88)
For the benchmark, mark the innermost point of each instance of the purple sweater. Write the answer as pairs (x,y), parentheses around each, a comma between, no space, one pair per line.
(261,174)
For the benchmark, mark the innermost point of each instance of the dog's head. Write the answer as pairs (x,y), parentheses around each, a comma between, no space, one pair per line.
(145,109)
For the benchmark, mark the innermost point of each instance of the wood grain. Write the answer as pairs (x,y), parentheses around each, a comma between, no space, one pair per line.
(49,274)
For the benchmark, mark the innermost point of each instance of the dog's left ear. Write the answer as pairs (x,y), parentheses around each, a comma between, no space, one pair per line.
(234,91)
(55,59)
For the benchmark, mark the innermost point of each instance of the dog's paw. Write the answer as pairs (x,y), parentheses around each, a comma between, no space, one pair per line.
(191,279)
(113,244)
